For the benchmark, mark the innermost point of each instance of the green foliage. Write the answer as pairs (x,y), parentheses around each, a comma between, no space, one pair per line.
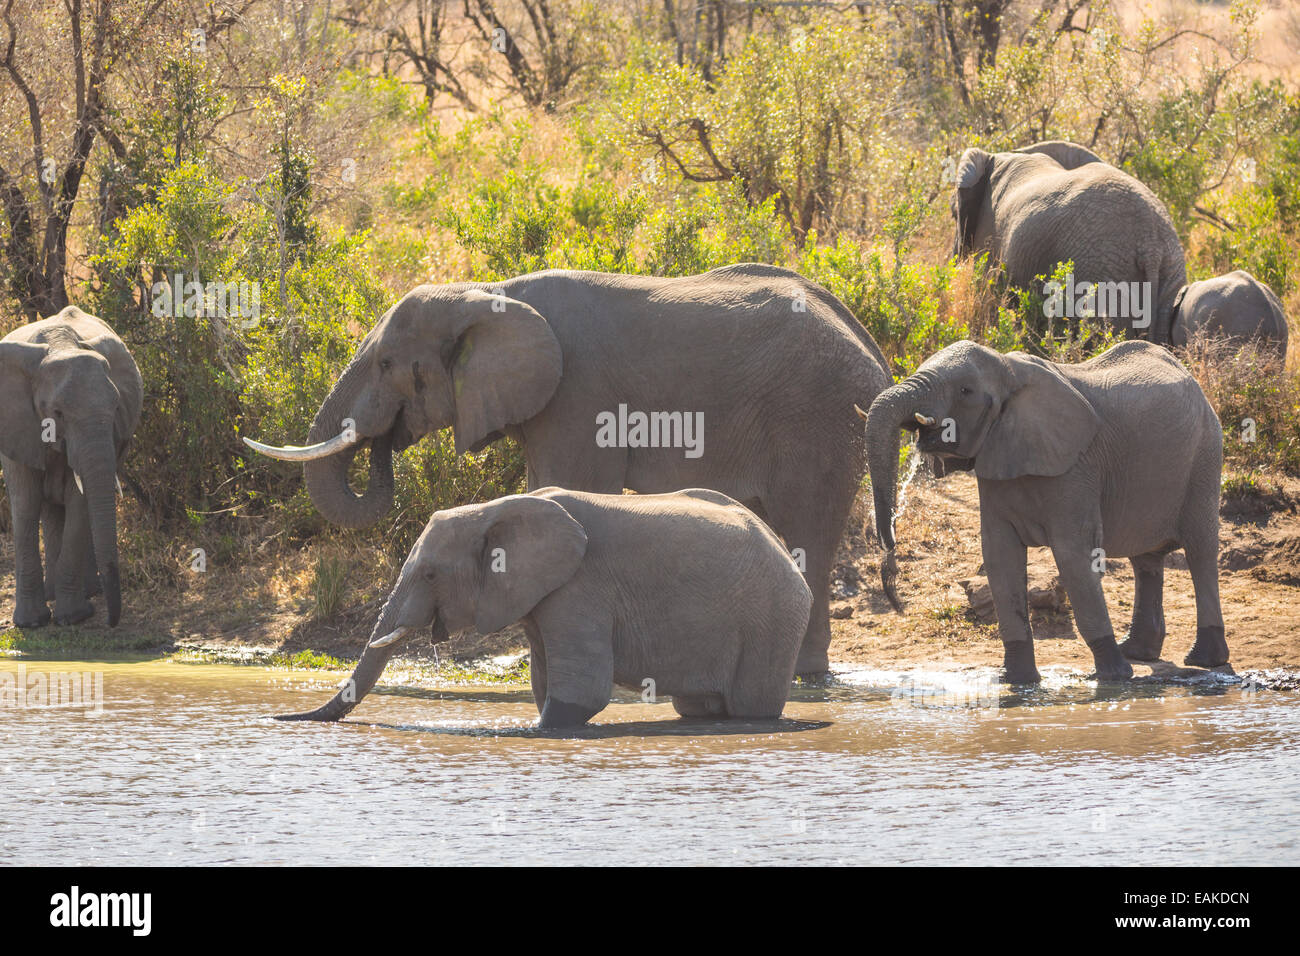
(1255,243)
(188,361)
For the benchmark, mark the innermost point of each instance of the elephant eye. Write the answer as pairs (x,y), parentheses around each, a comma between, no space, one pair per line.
(965,390)
(385,364)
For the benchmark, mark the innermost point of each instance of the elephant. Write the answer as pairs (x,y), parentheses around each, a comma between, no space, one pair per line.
(70,400)
(1036,207)
(687,594)
(1236,306)
(608,381)
(1119,456)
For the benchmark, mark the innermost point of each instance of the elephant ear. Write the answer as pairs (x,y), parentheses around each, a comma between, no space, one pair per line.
(531,547)
(1068,155)
(973,170)
(20,426)
(505,369)
(1044,426)
(127,381)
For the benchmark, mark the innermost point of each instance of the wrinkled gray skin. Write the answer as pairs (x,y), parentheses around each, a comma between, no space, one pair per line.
(1122,453)
(1236,306)
(687,589)
(1051,202)
(539,356)
(72,371)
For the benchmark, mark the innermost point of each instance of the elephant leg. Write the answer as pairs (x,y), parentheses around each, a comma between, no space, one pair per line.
(1006,561)
(699,705)
(814,531)
(24,486)
(536,662)
(1076,559)
(52,537)
(579,651)
(1146,632)
(70,603)
(1211,647)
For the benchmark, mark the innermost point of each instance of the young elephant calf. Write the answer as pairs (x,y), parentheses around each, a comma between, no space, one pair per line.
(688,590)
(1119,456)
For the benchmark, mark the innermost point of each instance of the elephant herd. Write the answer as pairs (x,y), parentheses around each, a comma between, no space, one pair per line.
(729,402)
(1033,208)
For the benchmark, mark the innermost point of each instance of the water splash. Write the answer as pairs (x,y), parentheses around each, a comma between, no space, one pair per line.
(914,458)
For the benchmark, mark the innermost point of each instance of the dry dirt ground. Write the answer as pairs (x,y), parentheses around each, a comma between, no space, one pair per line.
(947,621)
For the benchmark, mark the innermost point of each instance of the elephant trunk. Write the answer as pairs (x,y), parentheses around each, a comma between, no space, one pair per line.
(327,478)
(893,409)
(384,640)
(99,485)
(363,679)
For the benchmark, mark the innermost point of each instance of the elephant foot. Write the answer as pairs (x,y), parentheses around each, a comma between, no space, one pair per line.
(66,616)
(1142,647)
(1210,649)
(701,706)
(560,715)
(1111,665)
(812,665)
(27,618)
(1018,663)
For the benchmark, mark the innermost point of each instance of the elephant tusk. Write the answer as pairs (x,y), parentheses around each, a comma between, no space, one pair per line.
(387,639)
(77,478)
(344,439)
(861,414)
(924,420)
(117,484)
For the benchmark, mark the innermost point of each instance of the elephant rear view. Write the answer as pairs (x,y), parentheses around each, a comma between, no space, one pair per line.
(741,380)
(70,399)
(686,594)
(1236,306)
(1053,202)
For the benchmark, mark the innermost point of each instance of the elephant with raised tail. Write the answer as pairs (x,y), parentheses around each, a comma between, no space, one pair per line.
(1119,456)
(738,380)
(70,399)
(685,595)
(1033,208)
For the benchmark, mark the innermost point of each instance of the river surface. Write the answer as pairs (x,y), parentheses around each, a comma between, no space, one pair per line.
(182,766)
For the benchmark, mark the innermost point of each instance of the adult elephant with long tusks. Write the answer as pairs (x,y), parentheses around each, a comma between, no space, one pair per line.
(1033,208)
(739,380)
(1116,457)
(70,399)
(687,593)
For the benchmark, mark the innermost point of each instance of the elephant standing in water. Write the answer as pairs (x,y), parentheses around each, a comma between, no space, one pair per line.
(739,380)
(687,594)
(1053,202)
(1235,306)
(1119,456)
(70,398)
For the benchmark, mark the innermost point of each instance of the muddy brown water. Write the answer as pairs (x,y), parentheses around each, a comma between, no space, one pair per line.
(182,766)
